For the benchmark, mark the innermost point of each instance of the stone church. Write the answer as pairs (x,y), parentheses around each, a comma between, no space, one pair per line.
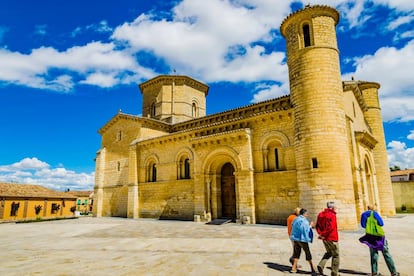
(253,164)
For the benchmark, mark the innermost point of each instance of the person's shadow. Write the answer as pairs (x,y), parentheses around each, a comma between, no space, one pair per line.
(285,268)
(280,267)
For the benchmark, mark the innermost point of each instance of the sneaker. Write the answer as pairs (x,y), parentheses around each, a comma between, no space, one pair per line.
(396,274)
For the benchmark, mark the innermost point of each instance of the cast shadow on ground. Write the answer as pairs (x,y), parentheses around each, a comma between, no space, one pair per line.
(285,268)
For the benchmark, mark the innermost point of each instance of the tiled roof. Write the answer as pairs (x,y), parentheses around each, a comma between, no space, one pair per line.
(26,191)
(80,193)
(402,172)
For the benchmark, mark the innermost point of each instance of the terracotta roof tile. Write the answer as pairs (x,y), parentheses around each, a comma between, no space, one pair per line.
(402,172)
(80,193)
(27,190)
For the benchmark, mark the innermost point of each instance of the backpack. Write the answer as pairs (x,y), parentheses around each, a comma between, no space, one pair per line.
(372,226)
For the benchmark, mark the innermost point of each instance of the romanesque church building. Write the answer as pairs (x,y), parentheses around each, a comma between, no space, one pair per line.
(254,164)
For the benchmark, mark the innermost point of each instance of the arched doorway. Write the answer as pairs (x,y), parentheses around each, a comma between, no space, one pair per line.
(228,192)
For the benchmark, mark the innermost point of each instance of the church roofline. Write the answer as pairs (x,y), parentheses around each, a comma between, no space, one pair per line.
(178,79)
(176,127)
(185,124)
(357,87)
(146,121)
(368,84)
(353,86)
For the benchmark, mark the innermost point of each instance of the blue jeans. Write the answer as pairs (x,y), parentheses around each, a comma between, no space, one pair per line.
(387,257)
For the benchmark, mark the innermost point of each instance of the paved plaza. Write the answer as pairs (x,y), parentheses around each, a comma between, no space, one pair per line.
(117,246)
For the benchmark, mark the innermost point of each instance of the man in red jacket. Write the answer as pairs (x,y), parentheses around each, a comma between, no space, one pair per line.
(328,232)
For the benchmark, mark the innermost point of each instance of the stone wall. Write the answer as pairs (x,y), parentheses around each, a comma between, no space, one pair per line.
(403,194)
(166,200)
(276,195)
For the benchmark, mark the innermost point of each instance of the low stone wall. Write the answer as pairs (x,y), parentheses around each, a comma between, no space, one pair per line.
(403,195)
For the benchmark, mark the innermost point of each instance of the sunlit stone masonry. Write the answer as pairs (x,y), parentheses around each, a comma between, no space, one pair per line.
(252,164)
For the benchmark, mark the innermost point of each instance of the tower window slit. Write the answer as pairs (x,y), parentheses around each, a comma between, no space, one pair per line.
(306,35)
(314,163)
(277,166)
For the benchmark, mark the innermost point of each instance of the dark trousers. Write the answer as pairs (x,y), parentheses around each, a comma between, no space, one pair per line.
(297,248)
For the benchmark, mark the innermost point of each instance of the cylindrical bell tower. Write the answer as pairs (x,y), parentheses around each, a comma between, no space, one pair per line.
(382,173)
(321,142)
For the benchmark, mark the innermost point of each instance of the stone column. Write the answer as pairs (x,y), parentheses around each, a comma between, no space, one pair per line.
(199,194)
(99,182)
(133,196)
(323,161)
(245,196)
(373,116)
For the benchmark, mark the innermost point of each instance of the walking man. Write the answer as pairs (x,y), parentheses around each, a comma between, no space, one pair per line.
(327,229)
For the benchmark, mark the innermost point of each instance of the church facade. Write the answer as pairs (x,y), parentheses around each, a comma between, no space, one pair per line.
(254,164)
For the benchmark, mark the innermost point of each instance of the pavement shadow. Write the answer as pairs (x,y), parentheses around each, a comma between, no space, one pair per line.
(347,271)
(275,266)
(352,272)
(284,268)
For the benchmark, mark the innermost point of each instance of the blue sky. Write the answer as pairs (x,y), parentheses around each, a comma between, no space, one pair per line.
(67,67)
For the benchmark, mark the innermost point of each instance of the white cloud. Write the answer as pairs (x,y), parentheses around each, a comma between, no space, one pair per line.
(355,12)
(400,5)
(25,164)
(223,47)
(392,68)
(100,79)
(400,155)
(35,171)
(411,135)
(198,44)
(101,27)
(267,92)
(89,61)
(407,34)
(402,20)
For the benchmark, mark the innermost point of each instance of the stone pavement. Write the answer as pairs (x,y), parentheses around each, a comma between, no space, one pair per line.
(117,246)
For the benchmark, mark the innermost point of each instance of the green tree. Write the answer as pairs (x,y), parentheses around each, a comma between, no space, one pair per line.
(395,168)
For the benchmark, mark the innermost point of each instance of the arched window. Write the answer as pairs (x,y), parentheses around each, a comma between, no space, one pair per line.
(306,35)
(152,172)
(274,157)
(194,110)
(277,165)
(152,111)
(187,168)
(183,168)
